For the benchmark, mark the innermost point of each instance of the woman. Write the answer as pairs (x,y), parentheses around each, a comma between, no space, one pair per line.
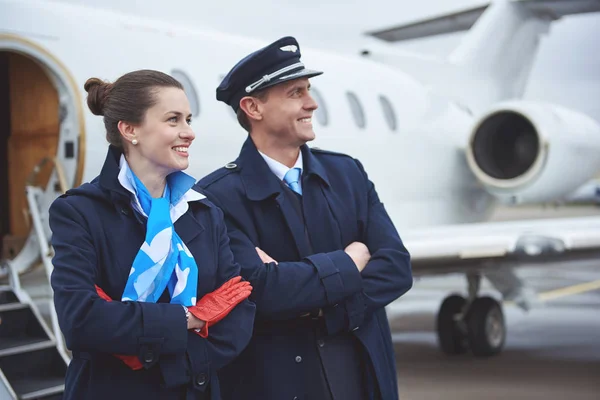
(135,249)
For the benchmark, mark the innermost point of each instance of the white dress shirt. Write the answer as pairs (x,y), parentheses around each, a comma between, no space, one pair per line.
(279,169)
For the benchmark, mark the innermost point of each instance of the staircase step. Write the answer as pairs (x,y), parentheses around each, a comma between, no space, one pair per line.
(12,306)
(7,295)
(30,389)
(52,397)
(18,322)
(16,345)
(35,374)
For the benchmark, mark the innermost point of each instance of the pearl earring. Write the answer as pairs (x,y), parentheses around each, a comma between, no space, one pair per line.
(134,142)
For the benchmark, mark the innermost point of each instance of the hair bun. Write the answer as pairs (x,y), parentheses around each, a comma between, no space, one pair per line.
(97,91)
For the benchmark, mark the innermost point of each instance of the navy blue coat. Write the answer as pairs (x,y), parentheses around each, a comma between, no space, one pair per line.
(340,206)
(96,236)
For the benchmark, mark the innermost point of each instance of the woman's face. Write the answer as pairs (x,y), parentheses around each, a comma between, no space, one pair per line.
(165,135)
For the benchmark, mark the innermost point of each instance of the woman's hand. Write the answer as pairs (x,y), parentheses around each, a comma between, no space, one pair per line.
(215,306)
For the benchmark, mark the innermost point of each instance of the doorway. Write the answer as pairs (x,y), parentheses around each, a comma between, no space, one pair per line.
(29,132)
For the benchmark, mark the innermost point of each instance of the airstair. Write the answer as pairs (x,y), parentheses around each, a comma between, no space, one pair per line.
(33,357)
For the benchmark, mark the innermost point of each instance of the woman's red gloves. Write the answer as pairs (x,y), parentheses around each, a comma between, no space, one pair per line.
(215,306)
(211,308)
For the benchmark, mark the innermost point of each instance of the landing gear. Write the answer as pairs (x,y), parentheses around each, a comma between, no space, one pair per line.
(476,323)
(486,328)
(451,332)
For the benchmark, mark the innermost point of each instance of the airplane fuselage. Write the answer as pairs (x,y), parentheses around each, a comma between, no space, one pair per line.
(415,157)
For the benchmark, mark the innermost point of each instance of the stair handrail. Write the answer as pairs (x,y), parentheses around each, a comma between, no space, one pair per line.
(33,193)
(60,172)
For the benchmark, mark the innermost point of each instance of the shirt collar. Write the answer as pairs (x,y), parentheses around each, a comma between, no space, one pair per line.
(278,168)
(126,180)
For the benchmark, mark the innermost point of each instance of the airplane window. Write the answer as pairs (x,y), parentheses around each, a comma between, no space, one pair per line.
(321,112)
(388,112)
(357,110)
(189,89)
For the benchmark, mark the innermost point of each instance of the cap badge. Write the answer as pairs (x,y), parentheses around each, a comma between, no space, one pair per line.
(290,47)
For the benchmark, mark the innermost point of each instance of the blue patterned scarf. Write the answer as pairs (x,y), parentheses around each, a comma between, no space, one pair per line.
(163,260)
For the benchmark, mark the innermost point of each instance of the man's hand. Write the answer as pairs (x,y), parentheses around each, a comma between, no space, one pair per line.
(265,257)
(195,323)
(359,253)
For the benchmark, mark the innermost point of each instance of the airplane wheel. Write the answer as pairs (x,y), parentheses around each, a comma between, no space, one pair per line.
(452,339)
(486,327)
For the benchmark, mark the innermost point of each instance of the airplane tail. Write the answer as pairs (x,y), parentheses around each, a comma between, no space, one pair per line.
(502,46)
(499,50)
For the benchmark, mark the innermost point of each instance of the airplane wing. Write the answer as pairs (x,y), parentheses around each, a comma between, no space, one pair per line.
(495,245)
(464,20)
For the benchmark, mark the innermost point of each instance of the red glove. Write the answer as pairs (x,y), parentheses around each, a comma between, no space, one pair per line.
(132,362)
(215,306)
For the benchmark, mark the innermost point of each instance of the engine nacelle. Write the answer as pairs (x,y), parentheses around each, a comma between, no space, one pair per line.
(525,152)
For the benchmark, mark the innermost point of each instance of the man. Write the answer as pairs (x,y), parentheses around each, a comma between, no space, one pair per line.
(313,239)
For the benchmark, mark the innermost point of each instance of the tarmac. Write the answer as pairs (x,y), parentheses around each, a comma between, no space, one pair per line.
(551,351)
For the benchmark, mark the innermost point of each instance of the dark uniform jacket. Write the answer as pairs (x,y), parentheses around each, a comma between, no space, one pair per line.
(96,236)
(340,206)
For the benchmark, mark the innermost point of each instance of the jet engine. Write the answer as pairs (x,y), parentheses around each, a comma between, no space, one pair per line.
(527,152)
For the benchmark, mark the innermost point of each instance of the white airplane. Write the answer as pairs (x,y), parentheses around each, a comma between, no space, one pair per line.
(589,193)
(444,142)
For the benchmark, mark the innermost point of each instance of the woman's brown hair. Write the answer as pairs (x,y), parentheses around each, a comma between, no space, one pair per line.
(127,99)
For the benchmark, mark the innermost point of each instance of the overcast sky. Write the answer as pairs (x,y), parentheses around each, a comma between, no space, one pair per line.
(566,71)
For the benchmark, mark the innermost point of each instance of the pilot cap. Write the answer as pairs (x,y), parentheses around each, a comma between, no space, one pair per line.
(276,63)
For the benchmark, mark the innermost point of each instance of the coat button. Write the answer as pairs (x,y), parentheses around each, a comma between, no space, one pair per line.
(298,359)
(321,342)
(148,357)
(201,379)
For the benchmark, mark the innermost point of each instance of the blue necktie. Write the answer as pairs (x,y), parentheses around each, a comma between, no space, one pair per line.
(291,178)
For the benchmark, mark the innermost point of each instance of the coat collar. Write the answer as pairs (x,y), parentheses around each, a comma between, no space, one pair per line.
(260,182)
(109,175)
(186,226)
(313,166)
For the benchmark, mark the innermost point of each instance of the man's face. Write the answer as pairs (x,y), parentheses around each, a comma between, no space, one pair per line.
(287,112)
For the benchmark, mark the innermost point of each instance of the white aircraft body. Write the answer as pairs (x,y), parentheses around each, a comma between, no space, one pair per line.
(444,141)
(589,193)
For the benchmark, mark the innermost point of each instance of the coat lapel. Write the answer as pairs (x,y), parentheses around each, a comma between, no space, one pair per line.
(187,227)
(262,185)
(295,225)
(323,227)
